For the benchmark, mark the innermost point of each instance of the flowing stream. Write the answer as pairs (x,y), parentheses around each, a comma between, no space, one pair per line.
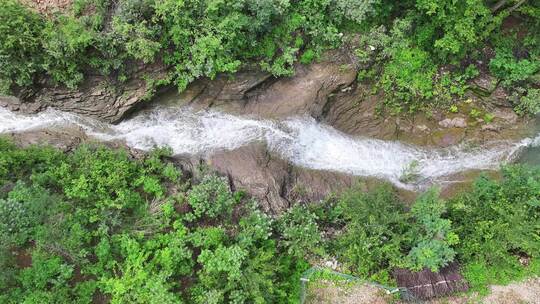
(300,140)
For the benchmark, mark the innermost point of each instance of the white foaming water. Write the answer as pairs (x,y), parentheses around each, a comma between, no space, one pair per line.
(302,141)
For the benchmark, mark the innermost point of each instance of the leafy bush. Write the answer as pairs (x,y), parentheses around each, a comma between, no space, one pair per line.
(64,40)
(408,77)
(91,229)
(23,211)
(432,235)
(463,24)
(146,270)
(356,11)
(530,103)
(97,221)
(374,235)
(46,281)
(408,74)
(510,69)
(20,45)
(300,232)
(210,199)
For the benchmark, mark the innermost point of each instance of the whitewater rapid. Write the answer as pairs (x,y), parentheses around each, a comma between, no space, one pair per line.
(301,140)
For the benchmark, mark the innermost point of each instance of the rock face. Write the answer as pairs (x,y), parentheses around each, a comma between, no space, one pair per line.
(260,95)
(98,96)
(274,182)
(354,112)
(458,122)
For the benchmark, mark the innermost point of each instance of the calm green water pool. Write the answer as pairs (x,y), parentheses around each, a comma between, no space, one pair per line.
(531,155)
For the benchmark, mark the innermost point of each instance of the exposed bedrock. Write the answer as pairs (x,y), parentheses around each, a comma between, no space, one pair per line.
(326,90)
(98,96)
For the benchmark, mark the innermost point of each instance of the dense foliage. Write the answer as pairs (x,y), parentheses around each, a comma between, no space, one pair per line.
(426,55)
(419,53)
(498,224)
(97,224)
(492,231)
(379,234)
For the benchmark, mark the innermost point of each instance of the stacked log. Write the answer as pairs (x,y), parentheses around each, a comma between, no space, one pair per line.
(425,284)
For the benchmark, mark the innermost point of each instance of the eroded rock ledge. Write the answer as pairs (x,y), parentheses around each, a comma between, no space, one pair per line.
(100,97)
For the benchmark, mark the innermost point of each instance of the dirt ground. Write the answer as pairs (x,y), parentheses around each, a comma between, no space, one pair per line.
(526,292)
(48,6)
(326,292)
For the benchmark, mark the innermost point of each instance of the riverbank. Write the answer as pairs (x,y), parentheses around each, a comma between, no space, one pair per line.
(149,206)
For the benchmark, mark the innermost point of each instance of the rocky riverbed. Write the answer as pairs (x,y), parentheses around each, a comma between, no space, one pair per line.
(281,139)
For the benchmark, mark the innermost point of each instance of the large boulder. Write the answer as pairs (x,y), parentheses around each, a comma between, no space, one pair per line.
(276,183)
(353,111)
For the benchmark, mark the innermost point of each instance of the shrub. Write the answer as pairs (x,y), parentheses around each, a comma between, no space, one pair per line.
(300,232)
(530,103)
(64,40)
(432,235)
(210,199)
(92,224)
(141,279)
(374,237)
(23,211)
(510,69)
(20,45)
(85,234)
(497,222)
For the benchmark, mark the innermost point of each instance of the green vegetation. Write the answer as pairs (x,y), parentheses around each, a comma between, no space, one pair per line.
(492,230)
(419,53)
(380,235)
(425,57)
(498,224)
(194,38)
(95,223)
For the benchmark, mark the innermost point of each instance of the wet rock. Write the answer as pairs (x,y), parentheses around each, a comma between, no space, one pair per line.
(308,185)
(457,122)
(227,91)
(422,128)
(355,113)
(491,127)
(65,139)
(304,93)
(274,182)
(506,114)
(447,137)
(485,83)
(253,169)
(500,98)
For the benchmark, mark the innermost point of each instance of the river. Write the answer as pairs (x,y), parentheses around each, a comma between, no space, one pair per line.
(300,140)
